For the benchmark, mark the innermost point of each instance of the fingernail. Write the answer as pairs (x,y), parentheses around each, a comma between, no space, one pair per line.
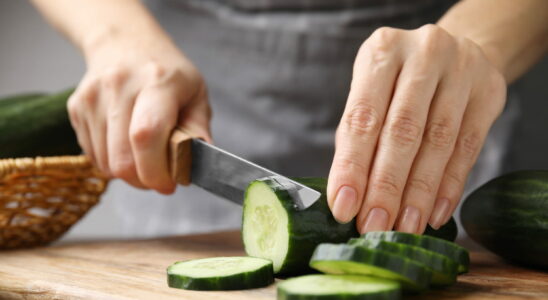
(344,207)
(377,220)
(410,220)
(440,211)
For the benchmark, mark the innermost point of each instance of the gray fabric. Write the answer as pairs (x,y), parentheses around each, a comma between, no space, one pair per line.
(278,74)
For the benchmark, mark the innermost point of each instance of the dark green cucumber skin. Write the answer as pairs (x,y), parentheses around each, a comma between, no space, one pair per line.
(441,246)
(509,216)
(259,278)
(407,268)
(17,99)
(448,231)
(37,126)
(444,270)
(309,227)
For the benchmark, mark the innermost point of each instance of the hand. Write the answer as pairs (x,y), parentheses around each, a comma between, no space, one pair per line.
(126,106)
(420,106)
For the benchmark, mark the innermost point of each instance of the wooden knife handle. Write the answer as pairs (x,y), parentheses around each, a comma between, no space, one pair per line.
(180,156)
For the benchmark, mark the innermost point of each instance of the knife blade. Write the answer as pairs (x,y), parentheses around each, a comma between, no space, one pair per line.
(225,174)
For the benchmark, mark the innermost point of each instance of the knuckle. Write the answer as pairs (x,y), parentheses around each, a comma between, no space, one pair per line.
(386,183)
(441,134)
(423,184)
(155,70)
(86,94)
(381,40)
(363,120)
(432,40)
(404,130)
(455,179)
(72,107)
(349,165)
(143,134)
(470,144)
(115,77)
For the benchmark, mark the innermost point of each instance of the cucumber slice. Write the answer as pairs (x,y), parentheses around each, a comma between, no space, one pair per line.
(444,270)
(357,260)
(220,273)
(347,287)
(274,229)
(449,249)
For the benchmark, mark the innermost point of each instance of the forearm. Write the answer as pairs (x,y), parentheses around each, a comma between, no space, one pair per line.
(92,23)
(513,34)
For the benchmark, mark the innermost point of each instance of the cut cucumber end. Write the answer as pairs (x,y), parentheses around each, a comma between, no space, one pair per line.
(221,273)
(265,225)
(339,287)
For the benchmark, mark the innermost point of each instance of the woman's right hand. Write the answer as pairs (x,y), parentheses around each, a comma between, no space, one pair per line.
(134,93)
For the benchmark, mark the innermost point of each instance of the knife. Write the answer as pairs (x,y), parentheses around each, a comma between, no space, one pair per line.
(193,160)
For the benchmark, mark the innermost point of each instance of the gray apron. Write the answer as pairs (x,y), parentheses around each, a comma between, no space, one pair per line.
(278,74)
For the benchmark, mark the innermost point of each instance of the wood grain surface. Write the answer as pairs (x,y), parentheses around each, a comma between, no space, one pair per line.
(137,270)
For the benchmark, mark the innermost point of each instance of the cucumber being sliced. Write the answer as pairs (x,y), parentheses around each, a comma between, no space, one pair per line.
(449,249)
(273,228)
(347,287)
(357,260)
(448,231)
(444,270)
(220,273)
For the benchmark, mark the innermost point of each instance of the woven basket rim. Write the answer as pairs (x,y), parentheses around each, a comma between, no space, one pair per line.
(9,166)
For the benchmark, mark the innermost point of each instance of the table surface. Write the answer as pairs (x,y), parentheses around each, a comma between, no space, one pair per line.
(137,270)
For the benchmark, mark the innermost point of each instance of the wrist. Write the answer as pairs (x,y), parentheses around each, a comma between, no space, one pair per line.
(108,38)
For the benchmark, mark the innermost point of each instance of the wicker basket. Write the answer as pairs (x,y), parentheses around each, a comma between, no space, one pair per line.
(41,198)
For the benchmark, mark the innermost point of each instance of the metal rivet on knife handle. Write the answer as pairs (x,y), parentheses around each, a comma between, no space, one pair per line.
(180,160)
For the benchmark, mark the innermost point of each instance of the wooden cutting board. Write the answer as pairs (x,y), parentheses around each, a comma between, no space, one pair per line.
(137,270)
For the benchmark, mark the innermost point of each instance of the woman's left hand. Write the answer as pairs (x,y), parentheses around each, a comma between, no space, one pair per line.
(420,106)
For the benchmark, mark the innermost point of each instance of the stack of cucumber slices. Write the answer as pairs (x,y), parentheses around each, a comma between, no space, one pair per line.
(284,241)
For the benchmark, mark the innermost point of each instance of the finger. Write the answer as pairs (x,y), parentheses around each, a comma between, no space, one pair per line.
(442,128)
(375,72)
(486,104)
(398,143)
(154,117)
(76,106)
(97,129)
(120,107)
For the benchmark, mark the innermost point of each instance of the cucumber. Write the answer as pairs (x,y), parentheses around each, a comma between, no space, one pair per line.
(220,273)
(18,99)
(455,252)
(444,270)
(509,216)
(38,126)
(274,229)
(448,231)
(358,260)
(338,287)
